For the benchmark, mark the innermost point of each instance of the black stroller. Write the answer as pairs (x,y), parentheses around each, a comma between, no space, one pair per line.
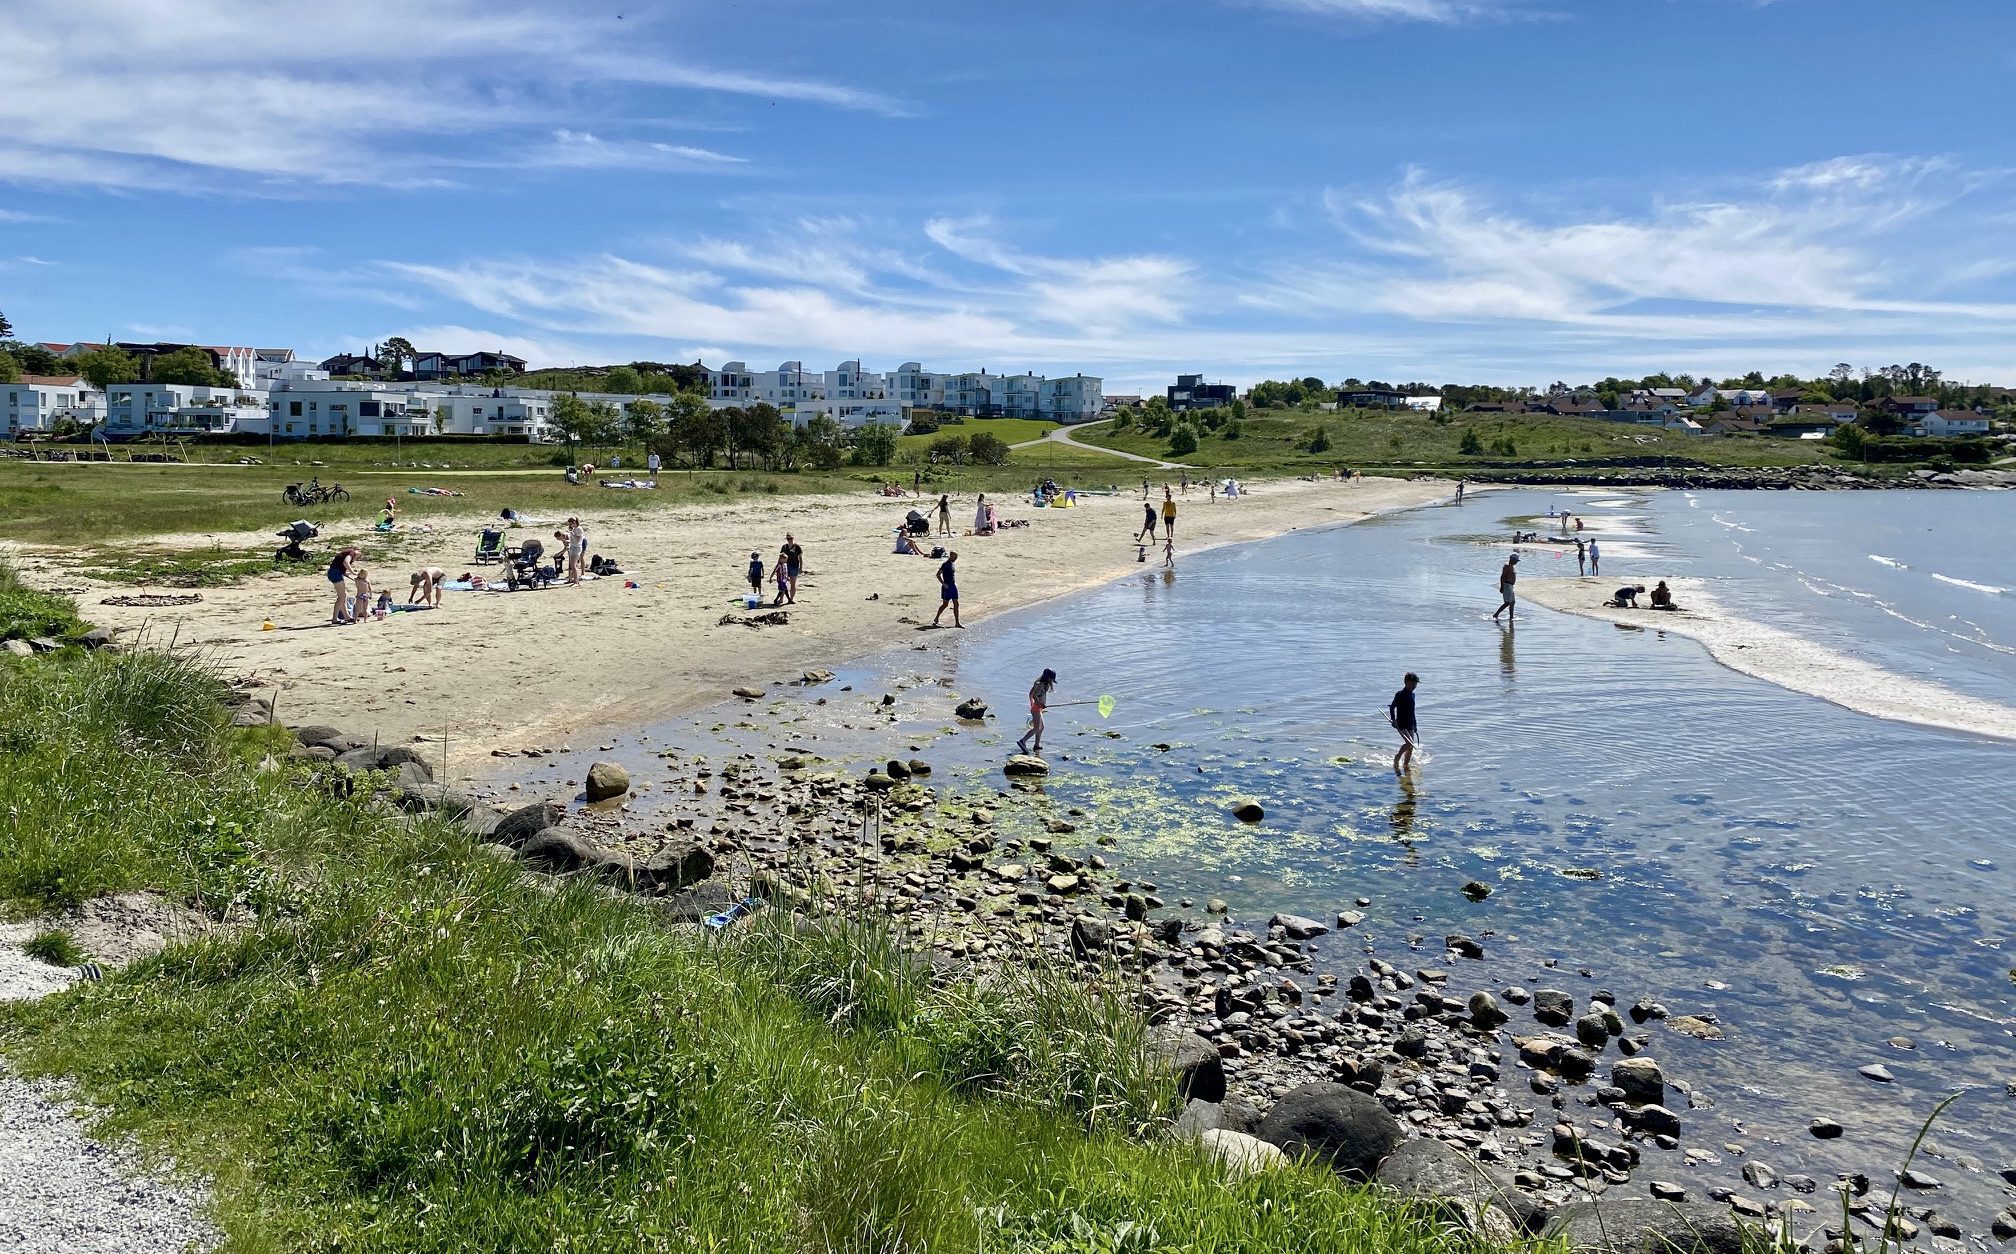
(916,524)
(294,533)
(523,569)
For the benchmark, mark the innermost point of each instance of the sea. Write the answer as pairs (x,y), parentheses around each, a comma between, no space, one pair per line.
(1833,890)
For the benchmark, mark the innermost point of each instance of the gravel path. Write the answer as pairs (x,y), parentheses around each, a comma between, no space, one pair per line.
(61,1190)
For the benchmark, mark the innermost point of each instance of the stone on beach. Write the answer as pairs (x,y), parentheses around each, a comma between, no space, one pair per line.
(1241,1154)
(1026,764)
(606,780)
(1248,812)
(1346,1130)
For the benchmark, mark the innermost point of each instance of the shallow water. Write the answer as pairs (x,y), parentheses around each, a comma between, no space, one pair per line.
(1819,880)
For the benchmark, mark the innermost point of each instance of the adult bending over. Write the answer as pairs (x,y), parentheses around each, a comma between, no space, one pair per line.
(1626,597)
(339,579)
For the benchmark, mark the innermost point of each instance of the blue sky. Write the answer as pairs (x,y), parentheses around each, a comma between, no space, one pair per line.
(1510,191)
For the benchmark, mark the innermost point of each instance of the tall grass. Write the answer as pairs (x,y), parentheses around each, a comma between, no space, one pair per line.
(408,1045)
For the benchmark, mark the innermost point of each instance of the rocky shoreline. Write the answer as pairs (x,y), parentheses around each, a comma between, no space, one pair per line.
(1523,1110)
(1754,478)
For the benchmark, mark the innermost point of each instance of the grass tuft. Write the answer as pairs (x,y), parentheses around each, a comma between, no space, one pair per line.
(55,947)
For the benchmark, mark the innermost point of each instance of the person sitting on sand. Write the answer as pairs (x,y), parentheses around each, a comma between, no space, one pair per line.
(906,544)
(1625,598)
(1662,597)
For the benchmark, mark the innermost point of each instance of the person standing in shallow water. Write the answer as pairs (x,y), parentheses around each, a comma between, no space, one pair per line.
(1039,700)
(1400,713)
(1508,576)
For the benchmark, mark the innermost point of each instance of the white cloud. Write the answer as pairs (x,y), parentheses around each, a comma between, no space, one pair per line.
(1445,12)
(583,150)
(244,96)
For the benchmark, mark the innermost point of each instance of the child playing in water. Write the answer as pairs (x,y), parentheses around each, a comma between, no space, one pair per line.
(1039,698)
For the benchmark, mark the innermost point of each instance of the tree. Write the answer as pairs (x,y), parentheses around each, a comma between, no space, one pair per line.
(191,366)
(695,426)
(817,443)
(1183,438)
(572,419)
(34,358)
(6,328)
(950,448)
(605,423)
(10,370)
(1470,445)
(644,421)
(1319,440)
(875,444)
(987,449)
(102,367)
(394,353)
(625,380)
(759,429)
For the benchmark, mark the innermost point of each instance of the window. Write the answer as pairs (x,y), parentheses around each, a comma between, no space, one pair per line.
(367,409)
(294,409)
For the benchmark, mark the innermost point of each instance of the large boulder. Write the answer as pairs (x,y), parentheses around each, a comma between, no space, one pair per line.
(429,797)
(1240,1154)
(674,866)
(971,708)
(1026,764)
(1553,1007)
(1343,1128)
(1192,1060)
(1248,811)
(318,734)
(522,824)
(384,758)
(606,780)
(1424,1169)
(1646,1227)
(1640,1078)
(563,852)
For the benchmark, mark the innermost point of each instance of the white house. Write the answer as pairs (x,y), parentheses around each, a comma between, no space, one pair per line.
(40,402)
(1079,398)
(1425,404)
(1949,422)
(134,409)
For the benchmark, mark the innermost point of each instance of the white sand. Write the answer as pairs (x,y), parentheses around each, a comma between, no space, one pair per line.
(519,669)
(1783,657)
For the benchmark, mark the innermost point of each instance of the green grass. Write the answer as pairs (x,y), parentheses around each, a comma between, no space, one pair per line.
(55,947)
(410,1046)
(1007,430)
(1273,440)
(26,613)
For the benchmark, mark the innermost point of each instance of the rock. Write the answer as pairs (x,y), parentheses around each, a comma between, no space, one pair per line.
(1701,1029)
(1026,764)
(1426,1170)
(1645,1008)
(1645,1227)
(607,780)
(2003,1225)
(19,648)
(429,798)
(96,638)
(1759,1175)
(1463,945)
(1236,1114)
(696,903)
(1193,1060)
(1484,1011)
(521,825)
(563,853)
(971,708)
(1242,1155)
(1010,872)
(1652,1119)
(1878,1072)
(1062,885)
(878,782)
(1349,918)
(674,866)
(1640,1078)
(749,694)
(316,734)
(1476,890)
(1592,1031)
(1341,1127)
(1912,1178)
(1667,1191)
(918,766)
(1135,907)
(1216,905)
(317,754)
(1825,1129)
(1298,927)
(1248,812)
(46,644)
(1198,1117)
(1553,1007)
(1092,936)
(897,770)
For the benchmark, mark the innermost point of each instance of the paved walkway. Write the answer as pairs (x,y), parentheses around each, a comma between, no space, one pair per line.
(1063,435)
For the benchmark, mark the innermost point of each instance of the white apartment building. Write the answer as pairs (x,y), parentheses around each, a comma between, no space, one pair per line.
(847,394)
(133,409)
(40,402)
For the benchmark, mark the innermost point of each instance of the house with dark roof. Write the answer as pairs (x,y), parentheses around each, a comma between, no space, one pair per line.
(352,363)
(464,365)
(1909,405)
(1372,398)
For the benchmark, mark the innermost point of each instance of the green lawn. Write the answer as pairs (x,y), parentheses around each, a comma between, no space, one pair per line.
(1385,439)
(407,1045)
(1006,430)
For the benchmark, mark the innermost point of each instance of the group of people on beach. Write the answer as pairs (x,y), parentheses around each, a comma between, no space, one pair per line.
(784,572)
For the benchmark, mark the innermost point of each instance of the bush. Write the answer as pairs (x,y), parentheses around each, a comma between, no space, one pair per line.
(1470,445)
(26,613)
(987,449)
(875,444)
(1183,439)
(1319,440)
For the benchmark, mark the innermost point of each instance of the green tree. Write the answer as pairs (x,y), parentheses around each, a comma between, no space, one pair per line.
(1183,438)
(102,367)
(625,380)
(605,424)
(573,419)
(191,366)
(6,328)
(1319,440)
(34,358)
(875,444)
(1234,427)
(394,353)
(10,370)
(950,448)
(987,449)
(644,421)
(1470,445)
(695,426)
(817,443)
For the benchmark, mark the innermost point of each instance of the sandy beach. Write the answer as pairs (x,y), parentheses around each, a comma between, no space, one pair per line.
(504,670)
(1782,657)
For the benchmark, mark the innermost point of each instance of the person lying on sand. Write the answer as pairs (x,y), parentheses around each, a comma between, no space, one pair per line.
(1625,598)
(1662,597)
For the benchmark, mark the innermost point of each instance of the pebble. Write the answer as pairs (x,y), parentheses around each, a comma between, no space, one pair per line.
(1825,1129)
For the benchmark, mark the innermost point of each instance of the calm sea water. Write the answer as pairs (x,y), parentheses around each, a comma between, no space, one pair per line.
(1819,880)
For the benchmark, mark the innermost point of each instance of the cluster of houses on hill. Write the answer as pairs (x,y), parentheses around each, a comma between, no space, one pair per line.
(284,398)
(1746,411)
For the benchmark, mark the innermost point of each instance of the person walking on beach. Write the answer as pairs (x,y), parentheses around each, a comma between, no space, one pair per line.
(1459,491)
(944,514)
(786,592)
(1185,477)
(1507,577)
(793,555)
(1214,491)
(948,589)
(1595,559)
(1169,553)
(652,462)
(1147,520)
(1400,713)
(1144,489)
(1581,557)
(756,574)
(1168,514)
(1039,698)
(917,483)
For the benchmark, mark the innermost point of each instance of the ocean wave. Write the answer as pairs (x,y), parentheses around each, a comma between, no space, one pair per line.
(1988,588)
(1888,561)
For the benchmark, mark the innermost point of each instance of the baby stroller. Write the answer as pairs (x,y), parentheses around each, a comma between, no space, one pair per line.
(524,570)
(490,545)
(294,533)
(916,524)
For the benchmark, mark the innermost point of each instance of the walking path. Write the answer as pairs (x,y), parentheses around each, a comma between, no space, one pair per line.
(1062,435)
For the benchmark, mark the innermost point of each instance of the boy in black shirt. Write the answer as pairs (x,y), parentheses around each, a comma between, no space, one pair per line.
(1400,713)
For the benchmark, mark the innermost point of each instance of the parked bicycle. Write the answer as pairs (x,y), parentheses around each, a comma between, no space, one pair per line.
(313,493)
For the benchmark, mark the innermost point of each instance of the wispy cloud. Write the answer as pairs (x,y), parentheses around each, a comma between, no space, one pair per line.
(1444,12)
(229,96)
(584,150)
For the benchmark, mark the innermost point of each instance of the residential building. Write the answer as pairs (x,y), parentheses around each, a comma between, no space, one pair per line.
(1079,398)
(42,402)
(1908,406)
(1191,392)
(1371,398)
(1952,422)
(464,365)
(352,363)
(1424,404)
(137,409)
(1801,426)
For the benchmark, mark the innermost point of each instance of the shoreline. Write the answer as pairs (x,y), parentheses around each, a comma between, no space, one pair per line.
(1781,657)
(505,669)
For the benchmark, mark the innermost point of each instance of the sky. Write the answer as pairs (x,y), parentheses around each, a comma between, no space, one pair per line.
(1480,191)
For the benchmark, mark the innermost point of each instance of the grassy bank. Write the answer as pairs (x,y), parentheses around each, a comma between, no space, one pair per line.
(407,1045)
(1278,440)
